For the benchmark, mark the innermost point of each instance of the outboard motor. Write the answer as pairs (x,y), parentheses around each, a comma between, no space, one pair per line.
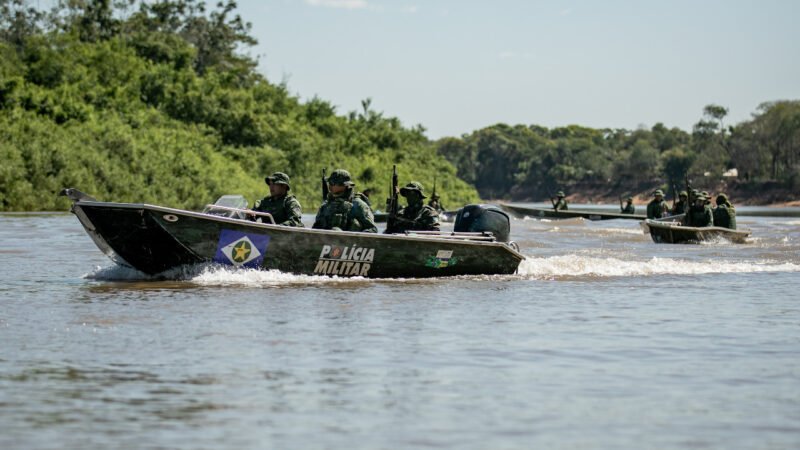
(479,218)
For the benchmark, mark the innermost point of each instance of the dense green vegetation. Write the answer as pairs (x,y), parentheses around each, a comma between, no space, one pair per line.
(155,102)
(530,162)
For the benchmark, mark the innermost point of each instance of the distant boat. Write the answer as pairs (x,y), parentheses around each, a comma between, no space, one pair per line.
(673,232)
(550,213)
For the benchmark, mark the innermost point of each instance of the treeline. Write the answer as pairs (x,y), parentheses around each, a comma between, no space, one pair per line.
(531,162)
(157,102)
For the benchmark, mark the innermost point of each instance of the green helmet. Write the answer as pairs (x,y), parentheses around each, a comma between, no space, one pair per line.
(722,198)
(683,194)
(658,192)
(413,186)
(278,178)
(340,177)
(560,194)
(630,200)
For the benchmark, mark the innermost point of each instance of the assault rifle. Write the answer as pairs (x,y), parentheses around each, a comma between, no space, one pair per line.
(689,202)
(621,208)
(324,186)
(394,206)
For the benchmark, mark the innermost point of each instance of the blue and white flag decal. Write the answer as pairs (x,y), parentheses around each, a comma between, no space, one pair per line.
(241,249)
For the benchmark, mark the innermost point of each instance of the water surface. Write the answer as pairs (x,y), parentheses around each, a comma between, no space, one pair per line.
(603,340)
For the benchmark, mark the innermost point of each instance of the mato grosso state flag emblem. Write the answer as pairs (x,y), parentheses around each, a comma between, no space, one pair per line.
(241,249)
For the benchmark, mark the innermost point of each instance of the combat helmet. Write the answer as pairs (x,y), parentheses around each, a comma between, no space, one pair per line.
(278,178)
(658,192)
(560,194)
(340,177)
(413,186)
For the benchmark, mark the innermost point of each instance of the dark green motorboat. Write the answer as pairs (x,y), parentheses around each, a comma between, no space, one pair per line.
(153,239)
(673,232)
(521,212)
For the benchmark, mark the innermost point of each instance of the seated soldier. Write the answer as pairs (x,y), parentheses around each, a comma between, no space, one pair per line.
(561,204)
(629,208)
(657,208)
(724,213)
(416,216)
(436,203)
(344,210)
(699,213)
(284,208)
(680,206)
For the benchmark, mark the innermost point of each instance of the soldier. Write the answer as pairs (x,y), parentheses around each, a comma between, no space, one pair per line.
(680,206)
(365,196)
(628,208)
(435,203)
(724,213)
(657,208)
(344,210)
(416,216)
(561,204)
(699,214)
(285,208)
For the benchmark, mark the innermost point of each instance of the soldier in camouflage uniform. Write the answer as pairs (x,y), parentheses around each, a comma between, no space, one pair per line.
(629,208)
(344,210)
(680,206)
(285,208)
(417,215)
(699,214)
(561,204)
(657,208)
(724,213)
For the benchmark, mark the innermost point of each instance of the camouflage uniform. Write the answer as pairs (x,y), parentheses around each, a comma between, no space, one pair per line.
(345,211)
(435,203)
(285,209)
(657,207)
(416,216)
(561,204)
(724,213)
(680,206)
(699,215)
(629,208)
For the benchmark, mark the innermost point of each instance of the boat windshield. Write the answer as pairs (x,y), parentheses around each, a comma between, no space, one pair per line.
(228,206)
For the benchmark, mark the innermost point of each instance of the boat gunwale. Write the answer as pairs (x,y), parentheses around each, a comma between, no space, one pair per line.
(212,217)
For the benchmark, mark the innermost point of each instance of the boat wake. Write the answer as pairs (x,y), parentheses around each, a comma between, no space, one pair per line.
(586,266)
(217,275)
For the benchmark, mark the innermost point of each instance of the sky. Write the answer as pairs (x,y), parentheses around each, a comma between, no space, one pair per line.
(458,66)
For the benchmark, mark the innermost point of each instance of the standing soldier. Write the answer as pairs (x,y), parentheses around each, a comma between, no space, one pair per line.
(343,210)
(657,208)
(724,213)
(561,204)
(699,214)
(628,208)
(416,216)
(680,206)
(284,208)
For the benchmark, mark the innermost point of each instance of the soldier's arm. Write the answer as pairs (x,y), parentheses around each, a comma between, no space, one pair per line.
(363,214)
(295,212)
(318,221)
(430,219)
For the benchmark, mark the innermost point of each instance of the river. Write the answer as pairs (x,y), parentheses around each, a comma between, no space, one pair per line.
(603,340)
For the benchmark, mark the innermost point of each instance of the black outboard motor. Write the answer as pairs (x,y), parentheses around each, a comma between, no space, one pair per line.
(478,218)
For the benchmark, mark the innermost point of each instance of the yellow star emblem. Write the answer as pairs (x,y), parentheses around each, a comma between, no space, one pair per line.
(241,251)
